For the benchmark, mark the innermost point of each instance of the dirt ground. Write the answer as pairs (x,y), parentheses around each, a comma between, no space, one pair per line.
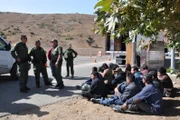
(77,108)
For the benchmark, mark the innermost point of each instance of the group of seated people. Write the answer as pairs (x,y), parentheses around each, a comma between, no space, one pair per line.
(132,89)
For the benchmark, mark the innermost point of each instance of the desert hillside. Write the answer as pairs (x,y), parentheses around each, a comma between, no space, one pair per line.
(67,28)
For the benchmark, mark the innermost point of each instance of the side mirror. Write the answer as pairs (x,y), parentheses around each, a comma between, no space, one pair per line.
(8,46)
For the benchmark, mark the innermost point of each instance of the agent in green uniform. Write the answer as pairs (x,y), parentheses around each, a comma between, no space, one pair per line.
(20,54)
(69,56)
(56,63)
(39,60)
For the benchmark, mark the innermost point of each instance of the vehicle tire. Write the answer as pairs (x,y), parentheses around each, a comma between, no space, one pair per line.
(14,72)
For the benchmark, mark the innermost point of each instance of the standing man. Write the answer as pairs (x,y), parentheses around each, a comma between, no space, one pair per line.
(20,54)
(69,56)
(56,59)
(39,61)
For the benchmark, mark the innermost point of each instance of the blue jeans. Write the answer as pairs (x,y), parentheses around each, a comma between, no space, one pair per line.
(112,100)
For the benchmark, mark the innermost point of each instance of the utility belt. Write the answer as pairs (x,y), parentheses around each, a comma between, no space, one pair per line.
(54,61)
(23,60)
(39,62)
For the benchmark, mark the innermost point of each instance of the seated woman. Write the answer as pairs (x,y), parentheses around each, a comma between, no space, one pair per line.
(128,68)
(166,81)
(157,83)
(144,69)
(108,76)
(97,88)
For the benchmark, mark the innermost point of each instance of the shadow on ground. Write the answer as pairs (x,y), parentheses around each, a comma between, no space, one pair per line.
(12,101)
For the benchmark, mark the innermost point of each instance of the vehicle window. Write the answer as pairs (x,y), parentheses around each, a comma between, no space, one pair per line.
(2,45)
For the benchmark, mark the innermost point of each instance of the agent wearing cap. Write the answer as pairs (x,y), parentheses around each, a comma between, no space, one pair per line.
(39,61)
(20,54)
(69,56)
(56,59)
(148,100)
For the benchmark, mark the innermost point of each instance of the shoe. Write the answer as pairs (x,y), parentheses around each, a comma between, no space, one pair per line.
(67,75)
(118,108)
(48,84)
(26,88)
(59,86)
(38,86)
(72,77)
(94,100)
(78,87)
(23,91)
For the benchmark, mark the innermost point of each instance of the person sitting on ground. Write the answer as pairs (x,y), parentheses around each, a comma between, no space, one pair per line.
(88,82)
(123,92)
(144,69)
(138,76)
(157,83)
(108,77)
(128,68)
(166,81)
(113,66)
(148,100)
(120,77)
(97,88)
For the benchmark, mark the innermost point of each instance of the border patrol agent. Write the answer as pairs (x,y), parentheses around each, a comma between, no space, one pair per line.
(20,54)
(69,56)
(56,59)
(39,61)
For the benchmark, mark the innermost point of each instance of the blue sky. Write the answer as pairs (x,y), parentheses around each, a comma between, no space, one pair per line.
(48,6)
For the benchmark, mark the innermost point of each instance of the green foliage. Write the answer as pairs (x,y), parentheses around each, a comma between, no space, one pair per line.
(145,17)
(32,33)
(69,37)
(3,35)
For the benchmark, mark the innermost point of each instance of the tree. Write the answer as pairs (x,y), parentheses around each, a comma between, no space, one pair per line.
(145,17)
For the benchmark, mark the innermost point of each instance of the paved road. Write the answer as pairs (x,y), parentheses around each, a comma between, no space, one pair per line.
(12,101)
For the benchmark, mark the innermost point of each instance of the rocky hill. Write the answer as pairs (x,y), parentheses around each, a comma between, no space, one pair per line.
(67,28)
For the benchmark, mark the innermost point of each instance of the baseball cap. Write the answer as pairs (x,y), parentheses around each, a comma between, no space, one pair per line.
(54,40)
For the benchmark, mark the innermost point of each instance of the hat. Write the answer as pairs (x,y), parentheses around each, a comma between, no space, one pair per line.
(118,69)
(69,45)
(54,40)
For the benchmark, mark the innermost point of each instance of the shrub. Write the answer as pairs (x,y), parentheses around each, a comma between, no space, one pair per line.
(3,34)
(69,38)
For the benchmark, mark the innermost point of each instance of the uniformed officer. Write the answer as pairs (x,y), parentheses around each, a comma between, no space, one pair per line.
(56,59)
(20,54)
(69,56)
(39,60)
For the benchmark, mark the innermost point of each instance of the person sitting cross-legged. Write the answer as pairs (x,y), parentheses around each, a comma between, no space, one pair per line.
(138,75)
(123,92)
(86,85)
(120,77)
(157,83)
(148,100)
(166,82)
(97,88)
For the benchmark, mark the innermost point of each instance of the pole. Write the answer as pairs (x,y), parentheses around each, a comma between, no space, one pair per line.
(134,51)
(172,59)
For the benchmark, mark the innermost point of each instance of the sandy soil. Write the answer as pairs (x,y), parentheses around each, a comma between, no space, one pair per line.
(77,108)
